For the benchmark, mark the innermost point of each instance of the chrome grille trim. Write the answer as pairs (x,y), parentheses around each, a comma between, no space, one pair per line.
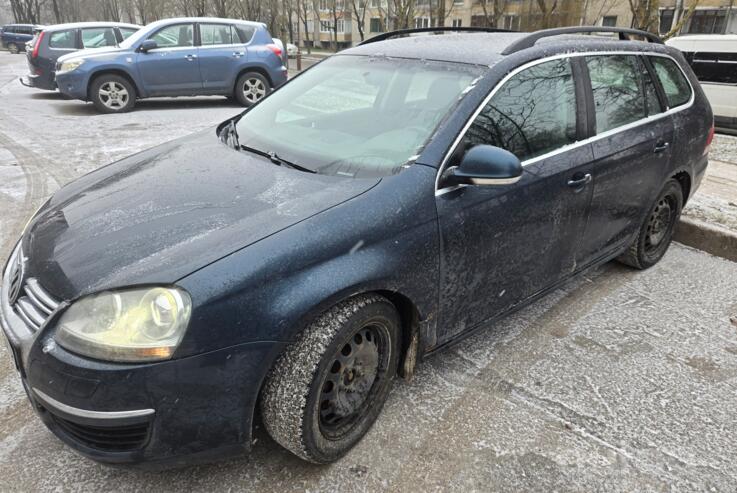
(40,296)
(29,313)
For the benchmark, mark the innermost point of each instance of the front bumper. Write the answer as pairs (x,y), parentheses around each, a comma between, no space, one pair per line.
(165,414)
(73,84)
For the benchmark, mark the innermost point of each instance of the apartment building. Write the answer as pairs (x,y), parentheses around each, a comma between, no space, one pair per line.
(360,19)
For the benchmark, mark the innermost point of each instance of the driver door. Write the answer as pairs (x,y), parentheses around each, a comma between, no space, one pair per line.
(172,69)
(502,244)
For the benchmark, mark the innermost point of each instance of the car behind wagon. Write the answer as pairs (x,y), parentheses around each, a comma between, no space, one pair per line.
(53,42)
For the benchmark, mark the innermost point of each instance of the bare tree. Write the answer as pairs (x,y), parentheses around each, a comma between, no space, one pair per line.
(27,11)
(358,11)
(547,9)
(493,11)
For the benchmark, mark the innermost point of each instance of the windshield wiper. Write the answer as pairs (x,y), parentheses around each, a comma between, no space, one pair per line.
(283,162)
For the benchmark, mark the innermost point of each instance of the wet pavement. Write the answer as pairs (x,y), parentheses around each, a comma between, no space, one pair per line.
(619,381)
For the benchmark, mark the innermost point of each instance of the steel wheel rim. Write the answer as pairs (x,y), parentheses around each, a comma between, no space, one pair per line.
(113,95)
(254,89)
(353,377)
(659,223)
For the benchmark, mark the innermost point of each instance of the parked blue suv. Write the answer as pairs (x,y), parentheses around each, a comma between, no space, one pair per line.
(176,57)
(15,36)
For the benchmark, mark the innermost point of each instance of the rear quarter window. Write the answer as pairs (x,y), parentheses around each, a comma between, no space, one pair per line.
(63,39)
(245,32)
(676,87)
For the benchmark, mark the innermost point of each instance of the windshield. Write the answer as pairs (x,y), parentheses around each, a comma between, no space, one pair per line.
(356,116)
(134,38)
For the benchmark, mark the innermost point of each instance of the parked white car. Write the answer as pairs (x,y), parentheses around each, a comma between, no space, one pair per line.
(713,58)
(292,50)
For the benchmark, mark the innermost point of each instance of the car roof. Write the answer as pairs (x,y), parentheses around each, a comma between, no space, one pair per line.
(176,20)
(481,48)
(79,25)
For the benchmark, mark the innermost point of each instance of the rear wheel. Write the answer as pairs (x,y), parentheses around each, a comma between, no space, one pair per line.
(112,94)
(251,88)
(656,233)
(327,389)
(13,48)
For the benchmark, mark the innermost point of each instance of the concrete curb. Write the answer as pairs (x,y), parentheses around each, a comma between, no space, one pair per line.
(710,238)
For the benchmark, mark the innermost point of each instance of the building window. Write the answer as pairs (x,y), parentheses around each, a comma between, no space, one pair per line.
(421,22)
(609,21)
(375,4)
(511,22)
(457,23)
(707,22)
(375,25)
(666,20)
(458,2)
(479,21)
(326,27)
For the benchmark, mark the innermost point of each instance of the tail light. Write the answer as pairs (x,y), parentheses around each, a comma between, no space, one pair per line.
(709,138)
(37,44)
(275,49)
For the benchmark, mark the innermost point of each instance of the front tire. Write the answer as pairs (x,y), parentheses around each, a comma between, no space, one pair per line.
(251,88)
(656,233)
(112,94)
(327,389)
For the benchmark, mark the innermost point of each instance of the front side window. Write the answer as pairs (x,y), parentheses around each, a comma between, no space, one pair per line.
(216,34)
(98,37)
(618,94)
(357,116)
(533,113)
(174,36)
(676,87)
(63,39)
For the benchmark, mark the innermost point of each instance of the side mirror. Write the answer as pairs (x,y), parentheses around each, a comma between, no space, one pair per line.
(486,165)
(148,45)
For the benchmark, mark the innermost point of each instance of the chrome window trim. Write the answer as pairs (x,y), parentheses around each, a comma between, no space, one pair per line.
(85,413)
(669,111)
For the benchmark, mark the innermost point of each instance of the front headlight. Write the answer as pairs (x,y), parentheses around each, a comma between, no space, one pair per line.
(70,65)
(128,325)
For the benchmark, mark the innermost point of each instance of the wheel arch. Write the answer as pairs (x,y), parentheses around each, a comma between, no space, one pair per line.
(253,68)
(683,177)
(113,71)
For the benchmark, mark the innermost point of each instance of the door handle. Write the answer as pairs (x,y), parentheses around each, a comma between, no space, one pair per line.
(190,57)
(238,54)
(661,146)
(579,182)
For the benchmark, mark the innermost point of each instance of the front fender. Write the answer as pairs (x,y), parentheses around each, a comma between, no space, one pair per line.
(383,240)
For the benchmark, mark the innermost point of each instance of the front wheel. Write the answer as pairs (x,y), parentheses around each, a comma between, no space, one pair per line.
(327,389)
(251,88)
(656,233)
(13,48)
(112,94)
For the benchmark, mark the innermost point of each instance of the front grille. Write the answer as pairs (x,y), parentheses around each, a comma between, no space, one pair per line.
(34,304)
(112,439)
(28,298)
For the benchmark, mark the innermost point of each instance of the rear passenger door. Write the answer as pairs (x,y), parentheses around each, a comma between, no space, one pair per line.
(221,54)
(632,146)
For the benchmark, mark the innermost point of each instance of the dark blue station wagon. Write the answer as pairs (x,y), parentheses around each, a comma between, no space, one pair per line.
(380,206)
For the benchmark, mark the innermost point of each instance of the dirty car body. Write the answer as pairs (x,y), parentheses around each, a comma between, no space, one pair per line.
(260,248)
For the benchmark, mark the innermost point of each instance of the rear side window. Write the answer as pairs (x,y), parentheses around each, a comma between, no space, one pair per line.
(173,36)
(245,32)
(63,39)
(216,34)
(126,32)
(718,68)
(533,113)
(619,98)
(98,37)
(676,87)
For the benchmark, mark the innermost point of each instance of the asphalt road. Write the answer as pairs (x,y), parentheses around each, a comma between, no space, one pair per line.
(619,381)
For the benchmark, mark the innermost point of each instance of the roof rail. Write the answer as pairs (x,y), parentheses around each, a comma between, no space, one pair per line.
(439,29)
(530,40)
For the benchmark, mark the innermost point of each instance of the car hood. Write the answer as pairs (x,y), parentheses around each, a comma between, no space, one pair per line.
(110,51)
(157,216)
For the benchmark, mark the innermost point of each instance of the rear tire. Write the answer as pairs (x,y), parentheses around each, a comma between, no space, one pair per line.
(13,48)
(327,389)
(251,88)
(656,232)
(112,94)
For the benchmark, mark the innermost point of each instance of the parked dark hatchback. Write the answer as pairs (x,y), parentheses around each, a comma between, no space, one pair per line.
(54,41)
(383,204)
